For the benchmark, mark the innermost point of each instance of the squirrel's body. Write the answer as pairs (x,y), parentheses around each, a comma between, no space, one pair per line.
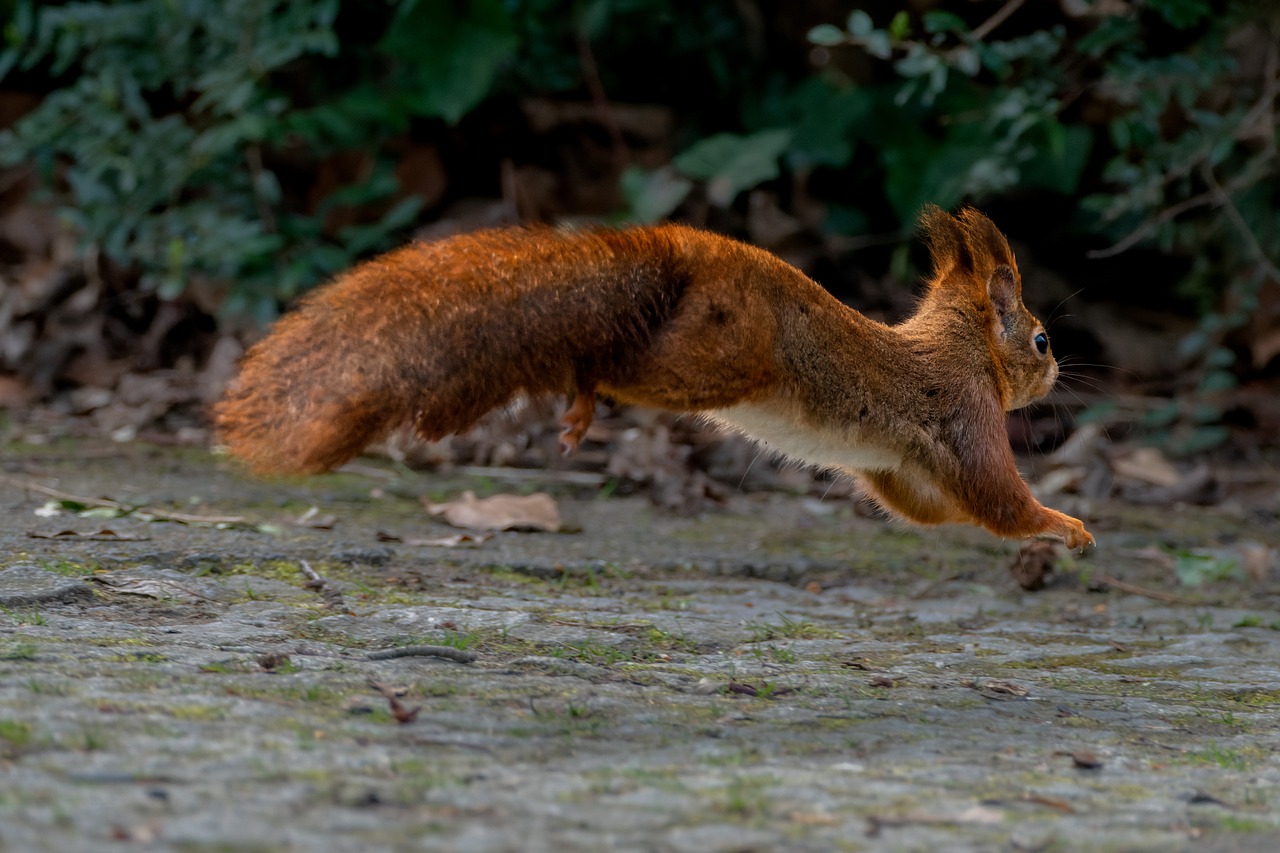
(437,335)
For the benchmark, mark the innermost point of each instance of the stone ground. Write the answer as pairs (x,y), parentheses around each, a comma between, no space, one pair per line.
(782,675)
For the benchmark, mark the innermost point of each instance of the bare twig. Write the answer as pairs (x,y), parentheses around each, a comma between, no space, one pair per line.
(1052,802)
(984,29)
(1144,230)
(163,515)
(449,652)
(1233,213)
(332,598)
(253,157)
(1134,589)
(399,712)
(1261,114)
(540,475)
(600,100)
(312,574)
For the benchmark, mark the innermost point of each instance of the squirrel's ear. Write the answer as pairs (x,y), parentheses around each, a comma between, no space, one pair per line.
(947,241)
(985,240)
(1004,289)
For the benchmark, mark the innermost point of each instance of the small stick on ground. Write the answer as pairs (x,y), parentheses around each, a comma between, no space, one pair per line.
(459,655)
(399,712)
(1134,589)
(124,509)
(332,598)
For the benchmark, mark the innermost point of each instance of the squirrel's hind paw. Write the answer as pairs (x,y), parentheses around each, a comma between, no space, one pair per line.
(577,420)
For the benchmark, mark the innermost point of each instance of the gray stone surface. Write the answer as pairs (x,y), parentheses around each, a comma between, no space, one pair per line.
(778,676)
(25,584)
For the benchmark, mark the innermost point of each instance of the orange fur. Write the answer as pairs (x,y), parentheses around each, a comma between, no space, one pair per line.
(436,335)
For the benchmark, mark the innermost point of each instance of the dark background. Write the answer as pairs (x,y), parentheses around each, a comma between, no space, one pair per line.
(176,172)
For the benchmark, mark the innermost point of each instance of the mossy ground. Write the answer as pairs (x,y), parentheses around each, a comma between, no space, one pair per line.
(764,678)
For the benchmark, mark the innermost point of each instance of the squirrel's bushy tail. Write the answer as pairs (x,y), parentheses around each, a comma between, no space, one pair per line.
(298,406)
(436,335)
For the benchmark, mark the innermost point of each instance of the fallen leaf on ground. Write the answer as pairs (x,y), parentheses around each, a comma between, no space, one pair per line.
(1083,759)
(1147,465)
(500,512)
(1256,559)
(813,818)
(972,815)
(1052,802)
(1000,689)
(100,536)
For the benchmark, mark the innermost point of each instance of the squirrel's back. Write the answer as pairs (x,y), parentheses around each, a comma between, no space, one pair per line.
(438,334)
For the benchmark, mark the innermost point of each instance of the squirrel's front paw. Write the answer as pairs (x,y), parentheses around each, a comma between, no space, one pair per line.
(1076,537)
(1071,530)
(1084,542)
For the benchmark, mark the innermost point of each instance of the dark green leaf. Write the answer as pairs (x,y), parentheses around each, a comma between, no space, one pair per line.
(730,163)
(826,35)
(452,52)
(652,195)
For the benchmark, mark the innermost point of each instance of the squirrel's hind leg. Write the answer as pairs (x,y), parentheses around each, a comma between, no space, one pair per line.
(911,497)
(577,420)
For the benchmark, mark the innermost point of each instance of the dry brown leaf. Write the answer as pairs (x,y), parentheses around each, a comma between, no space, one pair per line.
(99,536)
(813,818)
(500,512)
(1147,465)
(1001,689)
(1256,559)
(1085,760)
(1052,802)
(977,814)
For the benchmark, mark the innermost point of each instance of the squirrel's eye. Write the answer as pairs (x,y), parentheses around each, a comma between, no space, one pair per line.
(1041,341)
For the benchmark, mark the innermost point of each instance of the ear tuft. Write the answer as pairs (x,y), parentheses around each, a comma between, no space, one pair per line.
(985,240)
(967,244)
(945,236)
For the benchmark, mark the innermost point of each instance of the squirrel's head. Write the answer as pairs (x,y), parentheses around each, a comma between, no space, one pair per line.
(974,272)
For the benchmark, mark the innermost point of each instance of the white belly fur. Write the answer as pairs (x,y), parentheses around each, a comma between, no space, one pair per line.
(825,448)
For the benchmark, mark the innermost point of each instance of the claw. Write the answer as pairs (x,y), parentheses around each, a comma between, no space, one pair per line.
(577,420)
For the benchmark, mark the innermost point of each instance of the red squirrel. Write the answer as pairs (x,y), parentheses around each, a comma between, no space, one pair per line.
(436,335)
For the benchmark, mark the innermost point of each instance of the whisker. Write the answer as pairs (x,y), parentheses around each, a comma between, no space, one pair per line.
(1053,318)
(750,465)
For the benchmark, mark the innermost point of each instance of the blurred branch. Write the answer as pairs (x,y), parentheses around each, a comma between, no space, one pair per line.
(984,29)
(1260,115)
(1144,230)
(1223,199)
(253,158)
(591,76)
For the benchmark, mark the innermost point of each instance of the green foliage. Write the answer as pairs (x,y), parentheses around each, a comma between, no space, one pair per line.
(173,127)
(156,138)
(1198,567)
(170,127)
(452,53)
(727,163)
(730,163)
(963,118)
